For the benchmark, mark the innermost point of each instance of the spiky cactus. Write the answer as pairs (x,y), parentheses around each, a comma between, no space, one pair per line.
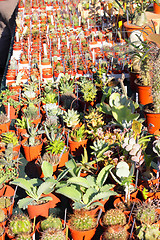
(148,232)
(82,220)
(20,224)
(146,213)
(24,236)
(114,217)
(2,215)
(51,222)
(52,234)
(116,232)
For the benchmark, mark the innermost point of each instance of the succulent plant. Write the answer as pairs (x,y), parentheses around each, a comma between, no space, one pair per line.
(148,232)
(2,215)
(82,220)
(3,118)
(146,213)
(51,222)
(71,118)
(52,234)
(116,233)
(114,217)
(5,202)
(20,224)
(24,236)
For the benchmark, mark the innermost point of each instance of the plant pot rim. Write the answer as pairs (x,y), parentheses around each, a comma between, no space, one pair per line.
(148,109)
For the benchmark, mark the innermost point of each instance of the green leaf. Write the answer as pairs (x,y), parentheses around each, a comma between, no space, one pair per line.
(103,174)
(46,187)
(70,192)
(91,180)
(47,198)
(79,181)
(102,195)
(23,203)
(90,193)
(107,187)
(23,183)
(47,169)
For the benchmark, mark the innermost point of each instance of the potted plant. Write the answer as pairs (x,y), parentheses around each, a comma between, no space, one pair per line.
(32,143)
(114,223)
(138,18)
(53,234)
(19,224)
(82,225)
(152,111)
(4,123)
(39,198)
(10,138)
(80,190)
(77,140)
(147,221)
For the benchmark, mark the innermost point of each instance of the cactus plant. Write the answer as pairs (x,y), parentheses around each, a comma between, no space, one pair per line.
(148,232)
(5,202)
(51,222)
(24,236)
(146,213)
(2,215)
(53,234)
(114,217)
(19,224)
(116,233)
(82,220)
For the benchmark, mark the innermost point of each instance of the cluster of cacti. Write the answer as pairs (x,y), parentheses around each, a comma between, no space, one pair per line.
(81,220)
(146,213)
(5,202)
(52,234)
(51,222)
(24,236)
(148,232)
(116,232)
(114,217)
(2,215)
(20,224)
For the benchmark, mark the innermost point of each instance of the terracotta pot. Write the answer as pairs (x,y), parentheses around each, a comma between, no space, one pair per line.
(4,127)
(131,27)
(144,94)
(152,119)
(32,152)
(13,111)
(38,210)
(81,235)
(7,191)
(76,148)
(156,8)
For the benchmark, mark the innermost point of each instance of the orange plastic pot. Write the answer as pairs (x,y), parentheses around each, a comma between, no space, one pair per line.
(5,127)
(81,235)
(7,191)
(144,94)
(152,119)
(63,159)
(76,148)
(13,111)
(38,210)
(32,152)
(144,29)
(156,8)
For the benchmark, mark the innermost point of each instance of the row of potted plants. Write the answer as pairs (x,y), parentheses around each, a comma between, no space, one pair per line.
(108,180)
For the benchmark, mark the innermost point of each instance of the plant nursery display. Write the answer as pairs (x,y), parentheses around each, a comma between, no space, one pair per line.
(79,146)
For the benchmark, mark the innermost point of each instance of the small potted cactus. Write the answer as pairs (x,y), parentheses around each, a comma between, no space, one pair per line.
(147,222)
(53,234)
(49,222)
(82,225)
(114,222)
(19,224)
(23,236)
